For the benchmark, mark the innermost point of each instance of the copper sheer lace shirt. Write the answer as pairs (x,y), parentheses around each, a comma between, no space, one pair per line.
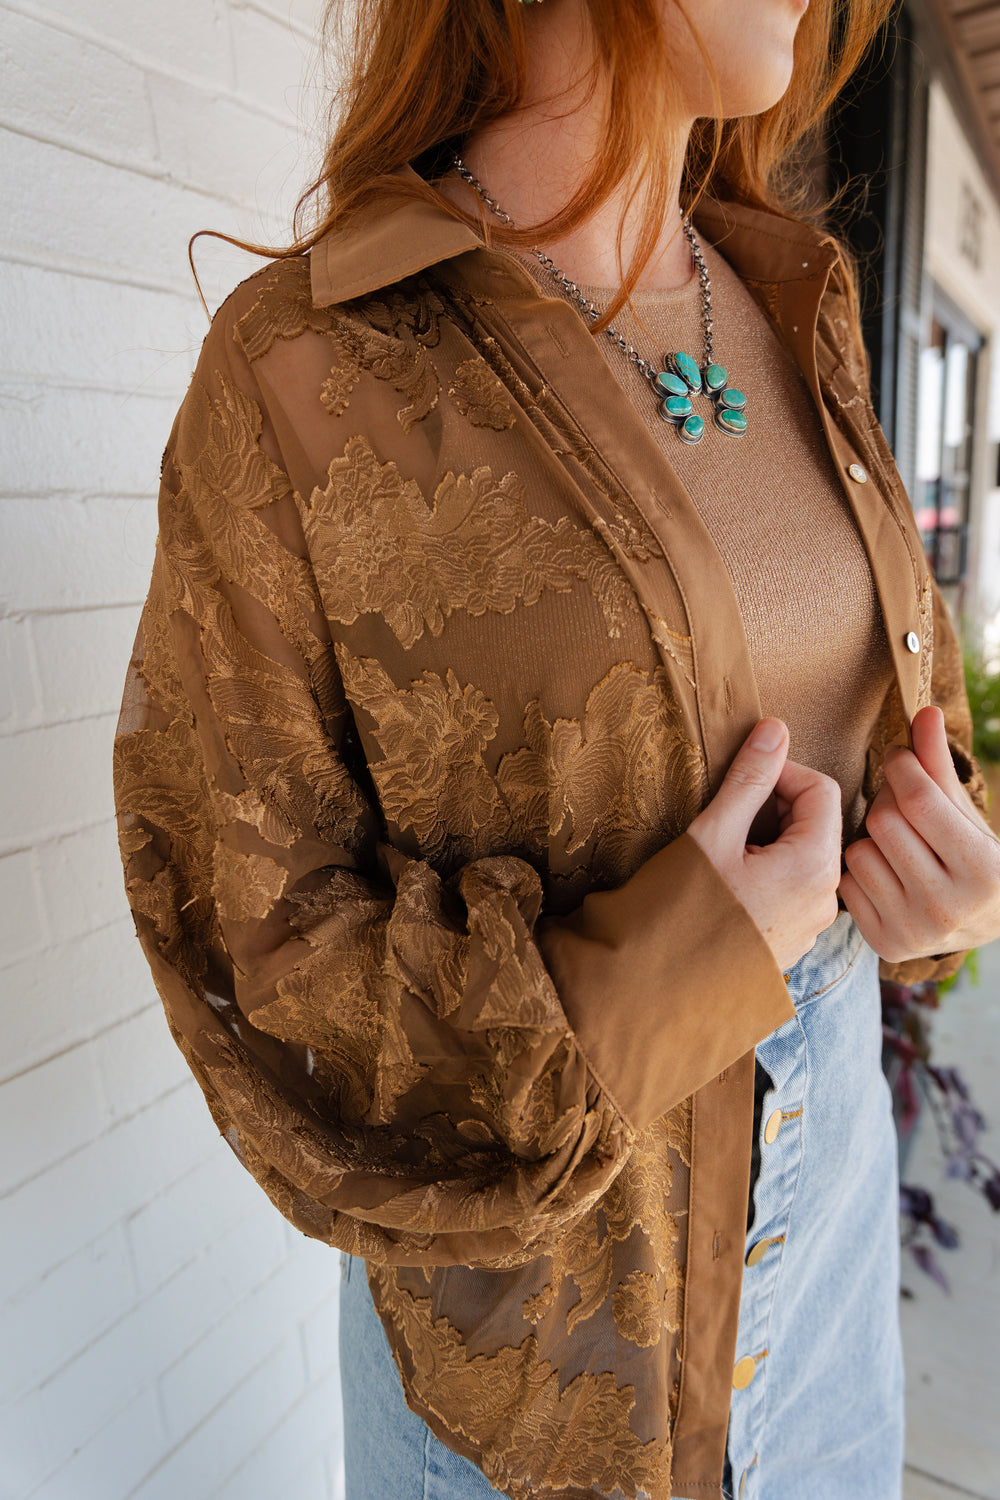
(438,664)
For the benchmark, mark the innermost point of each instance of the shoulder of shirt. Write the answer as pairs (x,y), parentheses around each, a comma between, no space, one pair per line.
(397,237)
(393,238)
(275,303)
(402,236)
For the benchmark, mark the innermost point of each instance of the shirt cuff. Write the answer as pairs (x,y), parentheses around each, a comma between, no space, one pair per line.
(666,981)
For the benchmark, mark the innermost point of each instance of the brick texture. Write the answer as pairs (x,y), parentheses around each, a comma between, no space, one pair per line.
(162,1331)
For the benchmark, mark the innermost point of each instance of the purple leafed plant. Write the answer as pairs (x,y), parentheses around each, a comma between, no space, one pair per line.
(916,1081)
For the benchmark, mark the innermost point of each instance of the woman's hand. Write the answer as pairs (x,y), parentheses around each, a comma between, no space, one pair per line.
(926,880)
(788,887)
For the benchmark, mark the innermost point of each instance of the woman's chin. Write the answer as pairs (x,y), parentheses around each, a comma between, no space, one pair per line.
(755,94)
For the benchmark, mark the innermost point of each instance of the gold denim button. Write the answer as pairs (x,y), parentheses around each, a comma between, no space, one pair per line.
(761,1248)
(858,474)
(772,1127)
(743,1372)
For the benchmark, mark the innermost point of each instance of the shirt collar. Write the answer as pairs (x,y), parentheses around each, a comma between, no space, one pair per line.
(390,239)
(394,238)
(762,246)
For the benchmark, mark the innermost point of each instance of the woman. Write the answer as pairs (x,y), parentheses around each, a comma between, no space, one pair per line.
(446,768)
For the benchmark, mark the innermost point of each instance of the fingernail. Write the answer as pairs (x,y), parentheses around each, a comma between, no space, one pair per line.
(768,734)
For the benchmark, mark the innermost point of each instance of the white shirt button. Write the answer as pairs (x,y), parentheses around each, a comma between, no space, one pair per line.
(912,642)
(858,474)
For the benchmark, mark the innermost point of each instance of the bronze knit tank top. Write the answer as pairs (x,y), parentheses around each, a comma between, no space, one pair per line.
(773,504)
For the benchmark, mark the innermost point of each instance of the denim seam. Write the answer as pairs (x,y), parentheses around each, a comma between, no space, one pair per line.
(762,1430)
(427,1444)
(815,994)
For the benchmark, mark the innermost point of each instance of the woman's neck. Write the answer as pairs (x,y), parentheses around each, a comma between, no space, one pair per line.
(532,162)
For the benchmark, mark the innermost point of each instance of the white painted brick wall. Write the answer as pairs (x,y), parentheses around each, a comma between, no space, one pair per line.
(163,1332)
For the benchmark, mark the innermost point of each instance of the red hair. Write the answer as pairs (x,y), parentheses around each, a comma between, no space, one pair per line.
(419,76)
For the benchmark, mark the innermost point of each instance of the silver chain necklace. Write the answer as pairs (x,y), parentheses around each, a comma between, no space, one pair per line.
(681,377)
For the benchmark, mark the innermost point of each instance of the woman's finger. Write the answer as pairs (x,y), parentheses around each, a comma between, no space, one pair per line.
(723,827)
(923,904)
(875,875)
(814,811)
(940,821)
(933,754)
(930,746)
(862,909)
(909,854)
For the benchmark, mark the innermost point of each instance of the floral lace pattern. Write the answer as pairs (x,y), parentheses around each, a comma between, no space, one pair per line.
(480,396)
(376,544)
(416,680)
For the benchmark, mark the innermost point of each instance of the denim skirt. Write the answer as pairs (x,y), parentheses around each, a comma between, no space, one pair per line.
(817,1405)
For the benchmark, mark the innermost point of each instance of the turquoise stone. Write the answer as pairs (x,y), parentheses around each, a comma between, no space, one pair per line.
(687,369)
(734,399)
(730,421)
(671,384)
(676,407)
(715,378)
(692,429)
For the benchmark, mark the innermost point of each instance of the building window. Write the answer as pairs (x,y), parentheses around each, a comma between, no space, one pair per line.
(945,433)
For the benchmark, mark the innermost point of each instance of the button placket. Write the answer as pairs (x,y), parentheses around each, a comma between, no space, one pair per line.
(895,552)
(775,1194)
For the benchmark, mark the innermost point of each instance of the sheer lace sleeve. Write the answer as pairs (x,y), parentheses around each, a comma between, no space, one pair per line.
(384,1045)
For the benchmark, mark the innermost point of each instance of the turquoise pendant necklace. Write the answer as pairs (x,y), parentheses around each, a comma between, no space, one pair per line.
(682,378)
